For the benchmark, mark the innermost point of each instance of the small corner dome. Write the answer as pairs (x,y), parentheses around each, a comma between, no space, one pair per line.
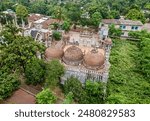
(53,53)
(108,41)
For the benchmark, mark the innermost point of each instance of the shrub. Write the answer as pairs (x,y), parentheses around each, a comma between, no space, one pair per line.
(8,84)
(74,85)
(94,92)
(54,70)
(66,26)
(114,31)
(69,98)
(35,72)
(57,35)
(145,57)
(45,97)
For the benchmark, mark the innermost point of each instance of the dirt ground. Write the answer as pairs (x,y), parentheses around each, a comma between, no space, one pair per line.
(21,97)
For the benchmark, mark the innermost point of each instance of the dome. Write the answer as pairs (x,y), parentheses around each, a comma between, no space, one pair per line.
(53,53)
(94,59)
(108,41)
(73,56)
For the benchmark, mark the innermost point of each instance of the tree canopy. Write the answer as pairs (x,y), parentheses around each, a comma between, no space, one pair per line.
(72,10)
(16,52)
(45,97)
(135,14)
(54,70)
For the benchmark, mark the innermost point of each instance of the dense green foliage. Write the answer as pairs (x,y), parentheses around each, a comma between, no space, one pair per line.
(126,82)
(68,98)
(94,92)
(56,35)
(15,52)
(145,57)
(54,70)
(8,83)
(114,32)
(139,34)
(84,12)
(74,85)
(66,26)
(45,97)
(22,13)
(135,14)
(144,45)
(19,52)
(90,93)
(35,72)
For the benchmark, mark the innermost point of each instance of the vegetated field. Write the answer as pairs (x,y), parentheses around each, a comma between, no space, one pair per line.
(126,82)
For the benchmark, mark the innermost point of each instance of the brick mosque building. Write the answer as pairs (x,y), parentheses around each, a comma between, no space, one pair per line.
(83,54)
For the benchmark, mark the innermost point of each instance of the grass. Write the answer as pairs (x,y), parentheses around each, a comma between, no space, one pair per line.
(126,84)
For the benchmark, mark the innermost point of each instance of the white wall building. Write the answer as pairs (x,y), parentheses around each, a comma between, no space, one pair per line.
(124,25)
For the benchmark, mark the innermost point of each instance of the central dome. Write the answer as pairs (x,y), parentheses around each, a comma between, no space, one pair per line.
(94,59)
(53,53)
(73,56)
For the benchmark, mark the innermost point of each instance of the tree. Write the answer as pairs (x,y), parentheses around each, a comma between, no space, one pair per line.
(74,85)
(6,18)
(114,31)
(45,97)
(55,26)
(145,57)
(38,7)
(18,50)
(35,72)
(135,14)
(23,49)
(66,26)
(59,13)
(9,82)
(56,35)
(147,6)
(54,70)
(114,14)
(96,18)
(68,98)
(73,12)
(94,92)
(116,99)
(139,34)
(22,12)
(127,84)
(10,29)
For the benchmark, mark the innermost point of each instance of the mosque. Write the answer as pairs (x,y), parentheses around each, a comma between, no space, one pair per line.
(83,54)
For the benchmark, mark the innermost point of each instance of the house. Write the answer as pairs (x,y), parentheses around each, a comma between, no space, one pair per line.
(124,25)
(40,21)
(39,28)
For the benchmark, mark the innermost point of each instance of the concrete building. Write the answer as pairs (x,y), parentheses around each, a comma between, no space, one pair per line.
(39,28)
(124,25)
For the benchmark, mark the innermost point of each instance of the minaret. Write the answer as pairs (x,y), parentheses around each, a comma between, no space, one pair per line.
(107,44)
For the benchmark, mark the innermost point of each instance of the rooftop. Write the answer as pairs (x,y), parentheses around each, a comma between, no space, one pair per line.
(121,22)
(34,17)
